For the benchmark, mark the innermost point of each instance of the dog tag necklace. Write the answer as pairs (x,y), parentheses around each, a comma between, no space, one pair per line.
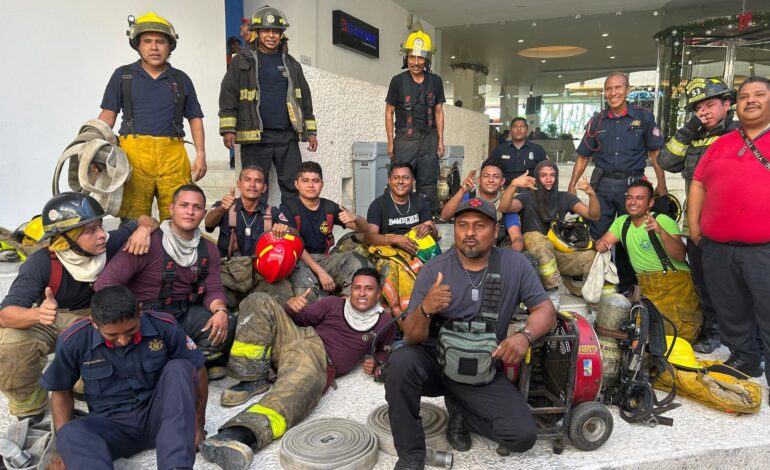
(247,224)
(474,287)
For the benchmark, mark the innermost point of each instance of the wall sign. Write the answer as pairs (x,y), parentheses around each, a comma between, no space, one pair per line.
(352,33)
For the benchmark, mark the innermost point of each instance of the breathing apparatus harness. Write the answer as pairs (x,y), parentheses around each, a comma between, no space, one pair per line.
(645,335)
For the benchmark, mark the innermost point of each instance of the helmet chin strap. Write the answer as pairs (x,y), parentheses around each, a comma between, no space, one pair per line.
(75,247)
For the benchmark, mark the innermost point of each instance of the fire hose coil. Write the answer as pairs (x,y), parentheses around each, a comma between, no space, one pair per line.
(434,423)
(329,444)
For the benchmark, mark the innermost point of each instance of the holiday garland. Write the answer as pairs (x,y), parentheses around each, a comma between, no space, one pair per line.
(478,68)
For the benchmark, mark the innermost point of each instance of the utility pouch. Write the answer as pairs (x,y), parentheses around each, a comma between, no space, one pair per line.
(465,350)
(596,176)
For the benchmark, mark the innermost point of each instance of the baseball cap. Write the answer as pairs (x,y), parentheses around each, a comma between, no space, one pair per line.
(477,204)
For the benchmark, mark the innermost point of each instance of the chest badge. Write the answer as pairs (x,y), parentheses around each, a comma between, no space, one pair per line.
(324,228)
(531,156)
(155,345)
(636,123)
(365,338)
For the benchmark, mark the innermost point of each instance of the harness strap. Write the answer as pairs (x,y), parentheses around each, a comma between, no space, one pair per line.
(293,205)
(57,271)
(180,100)
(232,222)
(128,104)
(166,295)
(410,100)
(177,89)
(665,261)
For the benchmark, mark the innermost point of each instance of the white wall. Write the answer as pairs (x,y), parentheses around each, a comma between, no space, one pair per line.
(58,56)
(310,34)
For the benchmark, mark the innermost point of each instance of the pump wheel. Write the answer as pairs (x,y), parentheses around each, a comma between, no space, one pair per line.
(590,425)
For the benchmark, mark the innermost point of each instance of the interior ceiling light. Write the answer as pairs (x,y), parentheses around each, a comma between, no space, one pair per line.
(604,35)
(619,12)
(577,17)
(559,76)
(497,79)
(609,46)
(534,23)
(655,13)
(452,57)
(521,40)
(612,57)
(552,52)
(543,61)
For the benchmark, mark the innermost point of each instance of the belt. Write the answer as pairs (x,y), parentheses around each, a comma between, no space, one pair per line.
(621,175)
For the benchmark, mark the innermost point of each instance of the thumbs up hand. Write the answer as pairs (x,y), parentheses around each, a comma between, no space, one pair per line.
(48,309)
(299,302)
(346,216)
(229,200)
(438,298)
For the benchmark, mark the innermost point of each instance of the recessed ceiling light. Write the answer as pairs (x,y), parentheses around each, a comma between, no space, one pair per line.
(543,61)
(655,13)
(497,79)
(452,57)
(559,76)
(609,47)
(447,81)
(534,23)
(521,40)
(604,35)
(612,57)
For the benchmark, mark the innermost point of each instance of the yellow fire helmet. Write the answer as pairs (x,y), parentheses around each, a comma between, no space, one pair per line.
(570,236)
(33,231)
(681,354)
(418,43)
(149,23)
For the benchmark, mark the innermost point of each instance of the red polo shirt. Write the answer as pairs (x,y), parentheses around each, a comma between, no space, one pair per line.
(736,207)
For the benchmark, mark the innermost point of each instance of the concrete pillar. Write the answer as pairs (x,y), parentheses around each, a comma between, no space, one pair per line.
(466,89)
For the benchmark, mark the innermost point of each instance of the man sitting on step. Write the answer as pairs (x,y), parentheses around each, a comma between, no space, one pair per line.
(308,345)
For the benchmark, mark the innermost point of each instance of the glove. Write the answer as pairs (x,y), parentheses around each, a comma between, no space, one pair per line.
(687,133)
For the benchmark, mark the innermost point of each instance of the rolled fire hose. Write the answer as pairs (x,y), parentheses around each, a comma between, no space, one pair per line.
(434,423)
(329,444)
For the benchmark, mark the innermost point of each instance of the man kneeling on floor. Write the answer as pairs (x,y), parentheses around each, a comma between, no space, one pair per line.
(144,381)
(656,251)
(308,345)
(472,280)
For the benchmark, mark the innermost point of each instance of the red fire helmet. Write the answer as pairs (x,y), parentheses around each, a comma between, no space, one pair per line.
(276,257)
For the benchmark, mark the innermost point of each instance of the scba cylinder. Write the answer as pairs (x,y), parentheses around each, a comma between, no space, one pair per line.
(614,308)
(443,182)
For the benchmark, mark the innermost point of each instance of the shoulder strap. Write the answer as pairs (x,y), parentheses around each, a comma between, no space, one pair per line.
(127,105)
(624,231)
(232,222)
(180,99)
(407,88)
(330,225)
(202,267)
(492,295)
(54,282)
(753,148)
(292,204)
(267,219)
(166,296)
(665,261)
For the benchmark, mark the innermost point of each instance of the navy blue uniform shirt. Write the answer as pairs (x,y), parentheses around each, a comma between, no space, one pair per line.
(515,162)
(621,143)
(273,86)
(313,226)
(118,380)
(153,101)
(255,221)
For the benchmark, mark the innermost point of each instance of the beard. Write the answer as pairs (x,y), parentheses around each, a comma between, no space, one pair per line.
(470,252)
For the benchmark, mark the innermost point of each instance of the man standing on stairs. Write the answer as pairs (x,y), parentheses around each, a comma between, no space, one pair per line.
(154,98)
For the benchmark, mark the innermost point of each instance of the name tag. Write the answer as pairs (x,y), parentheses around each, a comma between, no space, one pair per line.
(506,157)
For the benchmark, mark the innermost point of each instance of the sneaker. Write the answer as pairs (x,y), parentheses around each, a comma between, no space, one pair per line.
(742,365)
(706,344)
(240,393)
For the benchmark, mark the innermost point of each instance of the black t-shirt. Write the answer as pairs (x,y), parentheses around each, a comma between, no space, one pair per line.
(530,220)
(426,94)
(395,218)
(34,276)
(273,85)
(520,283)
(313,228)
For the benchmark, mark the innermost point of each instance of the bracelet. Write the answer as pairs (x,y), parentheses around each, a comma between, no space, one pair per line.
(424,313)
(526,334)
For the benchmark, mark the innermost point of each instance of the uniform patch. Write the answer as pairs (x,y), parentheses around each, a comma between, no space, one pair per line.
(656,132)
(283,218)
(324,228)
(506,157)
(155,345)
(531,156)
(190,344)
(636,123)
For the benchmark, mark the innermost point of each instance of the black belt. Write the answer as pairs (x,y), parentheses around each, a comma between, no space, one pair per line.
(621,175)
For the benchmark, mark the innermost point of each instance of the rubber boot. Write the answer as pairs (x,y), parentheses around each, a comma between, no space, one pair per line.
(232,448)
(240,393)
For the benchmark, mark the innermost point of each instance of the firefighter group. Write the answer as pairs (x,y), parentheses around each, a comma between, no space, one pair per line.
(141,318)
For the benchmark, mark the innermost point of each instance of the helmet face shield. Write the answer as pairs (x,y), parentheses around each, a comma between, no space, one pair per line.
(67,211)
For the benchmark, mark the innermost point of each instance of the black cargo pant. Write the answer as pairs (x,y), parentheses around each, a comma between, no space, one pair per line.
(738,279)
(421,151)
(496,411)
(710,324)
(280,147)
(192,318)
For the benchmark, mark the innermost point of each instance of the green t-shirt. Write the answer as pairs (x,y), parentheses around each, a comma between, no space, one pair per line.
(640,250)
